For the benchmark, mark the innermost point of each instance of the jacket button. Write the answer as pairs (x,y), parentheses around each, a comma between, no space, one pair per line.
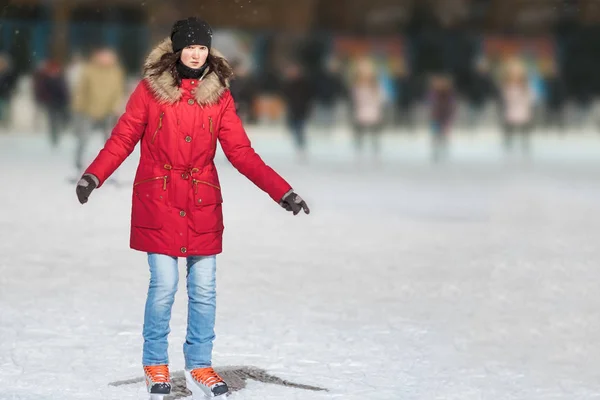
(182,213)
(188,139)
(185,175)
(191,102)
(193,82)
(183,250)
(199,200)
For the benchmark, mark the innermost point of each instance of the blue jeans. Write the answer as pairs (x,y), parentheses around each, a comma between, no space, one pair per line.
(201,288)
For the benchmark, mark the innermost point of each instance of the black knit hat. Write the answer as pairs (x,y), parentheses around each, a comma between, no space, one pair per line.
(190,31)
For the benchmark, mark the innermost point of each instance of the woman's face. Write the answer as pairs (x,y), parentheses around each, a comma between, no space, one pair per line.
(194,56)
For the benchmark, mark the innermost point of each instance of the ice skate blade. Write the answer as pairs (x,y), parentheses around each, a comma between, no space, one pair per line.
(158,392)
(198,392)
(160,389)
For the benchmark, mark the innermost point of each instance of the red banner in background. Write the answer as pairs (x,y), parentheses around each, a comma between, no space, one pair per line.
(386,53)
(361,47)
(539,53)
(501,47)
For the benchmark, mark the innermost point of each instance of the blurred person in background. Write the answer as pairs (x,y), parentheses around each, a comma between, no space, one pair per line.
(73,72)
(179,111)
(269,105)
(330,91)
(405,95)
(52,96)
(97,99)
(442,106)
(39,109)
(480,90)
(8,81)
(244,91)
(74,69)
(555,96)
(298,93)
(538,88)
(368,101)
(518,101)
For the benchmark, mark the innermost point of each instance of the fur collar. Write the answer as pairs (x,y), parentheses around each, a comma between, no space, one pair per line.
(165,89)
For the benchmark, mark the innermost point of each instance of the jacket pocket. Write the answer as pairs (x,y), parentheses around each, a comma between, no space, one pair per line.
(207,215)
(158,128)
(148,202)
(206,192)
(145,185)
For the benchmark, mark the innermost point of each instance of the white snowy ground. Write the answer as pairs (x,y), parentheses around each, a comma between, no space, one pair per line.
(475,280)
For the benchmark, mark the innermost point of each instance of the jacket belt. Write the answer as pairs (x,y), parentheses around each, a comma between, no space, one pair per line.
(186,171)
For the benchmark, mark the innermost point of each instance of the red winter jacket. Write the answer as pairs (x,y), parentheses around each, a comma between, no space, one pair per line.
(177,198)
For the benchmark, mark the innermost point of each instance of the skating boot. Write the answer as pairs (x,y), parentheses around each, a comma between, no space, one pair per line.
(158,381)
(205,382)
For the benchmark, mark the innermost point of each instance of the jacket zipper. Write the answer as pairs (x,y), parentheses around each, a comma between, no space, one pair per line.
(210,128)
(196,182)
(164,178)
(159,126)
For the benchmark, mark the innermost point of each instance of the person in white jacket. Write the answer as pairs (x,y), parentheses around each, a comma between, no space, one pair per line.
(368,100)
(518,105)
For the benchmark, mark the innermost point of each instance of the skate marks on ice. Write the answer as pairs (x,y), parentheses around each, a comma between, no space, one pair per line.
(235,377)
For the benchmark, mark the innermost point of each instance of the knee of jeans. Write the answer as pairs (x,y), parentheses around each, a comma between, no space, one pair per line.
(202,297)
(204,290)
(164,285)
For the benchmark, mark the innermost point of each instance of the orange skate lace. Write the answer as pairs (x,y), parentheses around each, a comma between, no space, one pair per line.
(206,376)
(158,373)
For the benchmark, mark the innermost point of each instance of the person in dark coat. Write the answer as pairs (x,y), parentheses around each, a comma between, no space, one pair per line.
(442,103)
(405,97)
(555,98)
(480,90)
(244,90)
(330,90)
(52,94)
(298,94)
(8,80)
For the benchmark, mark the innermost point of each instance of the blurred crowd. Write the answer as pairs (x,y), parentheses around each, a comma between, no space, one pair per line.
(84,96)
(360,93)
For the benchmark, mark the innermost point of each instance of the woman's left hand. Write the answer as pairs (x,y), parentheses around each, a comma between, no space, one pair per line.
(294,203)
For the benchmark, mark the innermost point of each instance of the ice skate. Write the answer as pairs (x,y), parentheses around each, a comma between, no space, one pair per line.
(158,381)
(205,382)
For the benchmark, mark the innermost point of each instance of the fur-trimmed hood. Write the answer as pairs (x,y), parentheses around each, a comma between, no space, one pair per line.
(165,88)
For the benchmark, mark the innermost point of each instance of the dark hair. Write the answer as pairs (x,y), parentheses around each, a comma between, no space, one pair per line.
(168,62)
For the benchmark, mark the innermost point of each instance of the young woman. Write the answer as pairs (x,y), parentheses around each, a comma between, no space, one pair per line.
(178,112)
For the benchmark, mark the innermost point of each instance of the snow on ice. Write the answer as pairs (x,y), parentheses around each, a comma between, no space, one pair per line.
(473,280)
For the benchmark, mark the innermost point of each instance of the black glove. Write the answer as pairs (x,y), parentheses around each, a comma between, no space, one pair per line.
(294,203)
(86,184)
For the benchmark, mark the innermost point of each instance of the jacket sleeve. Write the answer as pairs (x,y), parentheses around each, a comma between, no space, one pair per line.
(239,152)
(125,135)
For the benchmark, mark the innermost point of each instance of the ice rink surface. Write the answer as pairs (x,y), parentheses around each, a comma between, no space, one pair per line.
(475,280)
